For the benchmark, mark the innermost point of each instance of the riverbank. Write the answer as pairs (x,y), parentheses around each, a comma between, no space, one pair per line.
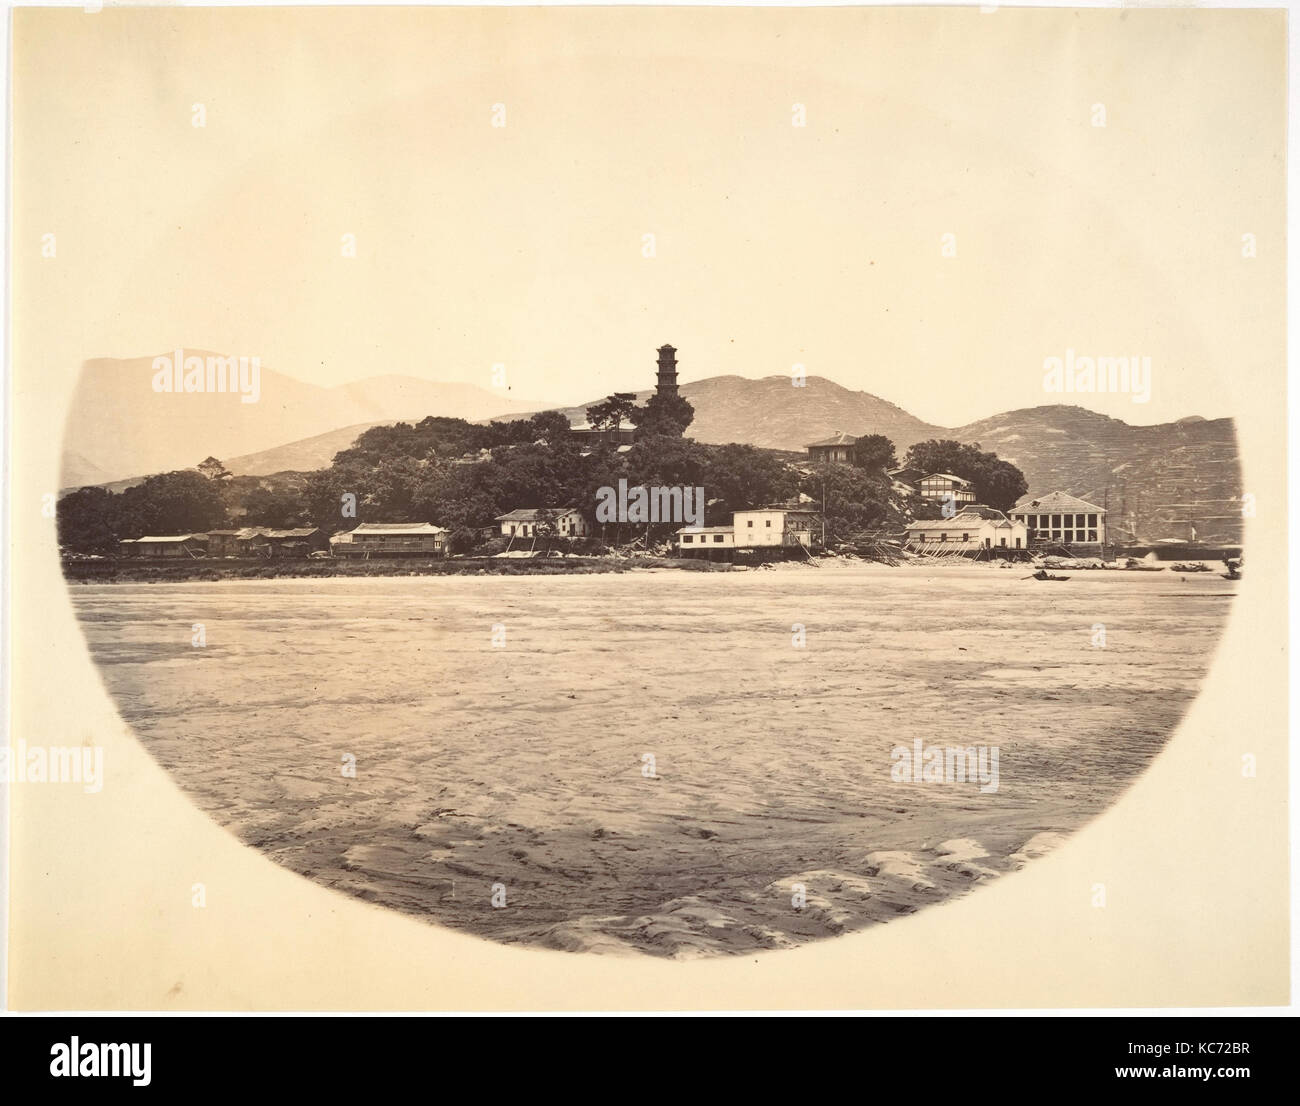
(174,571)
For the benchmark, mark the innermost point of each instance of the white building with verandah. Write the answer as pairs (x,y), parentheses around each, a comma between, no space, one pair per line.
(1063,519)
(390,539)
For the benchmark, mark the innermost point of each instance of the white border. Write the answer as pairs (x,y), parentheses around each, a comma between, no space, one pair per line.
(1293,476)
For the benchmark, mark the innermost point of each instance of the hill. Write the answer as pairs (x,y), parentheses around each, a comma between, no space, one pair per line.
(1158,481)
(119,427)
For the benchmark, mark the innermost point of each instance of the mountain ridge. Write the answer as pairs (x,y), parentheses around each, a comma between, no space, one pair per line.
(118,427)
(1159,480)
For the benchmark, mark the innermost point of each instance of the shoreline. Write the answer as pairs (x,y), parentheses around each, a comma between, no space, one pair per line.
(134,572)
(129,572)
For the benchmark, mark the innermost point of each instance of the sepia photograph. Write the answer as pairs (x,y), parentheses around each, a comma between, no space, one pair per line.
(631,508)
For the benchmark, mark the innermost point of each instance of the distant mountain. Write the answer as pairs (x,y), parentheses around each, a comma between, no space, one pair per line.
(119,427)
(771,412)
(1158,481)
(303,456)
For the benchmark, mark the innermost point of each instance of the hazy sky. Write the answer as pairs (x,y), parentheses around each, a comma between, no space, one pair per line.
(775,244)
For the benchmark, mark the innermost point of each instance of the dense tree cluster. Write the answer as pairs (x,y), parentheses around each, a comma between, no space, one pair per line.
(851,499)
(664,416)
(997,483)
(92,520)
(875,453)
(449,471)
(462,475)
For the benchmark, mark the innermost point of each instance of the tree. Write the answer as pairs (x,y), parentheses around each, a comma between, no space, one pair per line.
(742,477)
(666,415)
(611,413)
(665,461)
(170,503)
(551,427)
(213,469)
(874,452)
(462,539)
(855,499)
(997,483)
(87,520)
(281,509)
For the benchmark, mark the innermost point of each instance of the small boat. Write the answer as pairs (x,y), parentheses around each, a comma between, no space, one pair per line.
(1043,574)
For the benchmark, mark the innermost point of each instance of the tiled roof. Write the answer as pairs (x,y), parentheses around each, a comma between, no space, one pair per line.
(947,476)
(1057,501)
(398,528)
(969,519)
(531,514)
(836,439)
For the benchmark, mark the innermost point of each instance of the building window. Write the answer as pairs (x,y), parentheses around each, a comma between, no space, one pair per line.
(750,523)
(768,524)
(1002,542)
(687,539)
(1092,535)
(1092,520)
(965,537)
(1017,543)
(943,536)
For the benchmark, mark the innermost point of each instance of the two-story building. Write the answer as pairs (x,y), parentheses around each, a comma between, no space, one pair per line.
(390,539)
(293,542)
(762,528)
(769,526)
(565,522)
(838,447)
(944,486)
(231,543)
(1063,519)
